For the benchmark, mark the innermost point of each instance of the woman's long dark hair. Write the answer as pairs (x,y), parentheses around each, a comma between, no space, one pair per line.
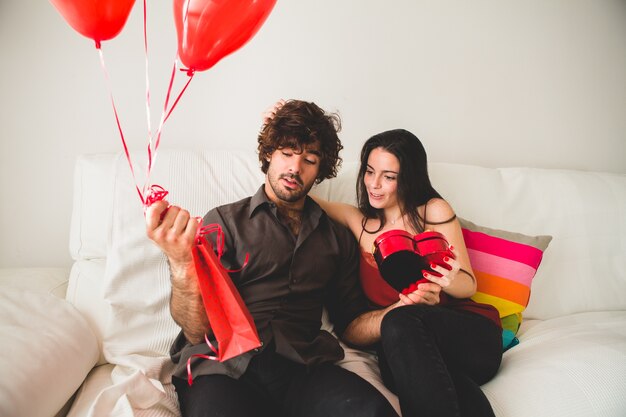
(414,187)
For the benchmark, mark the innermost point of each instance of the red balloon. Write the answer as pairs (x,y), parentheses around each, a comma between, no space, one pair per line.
(208,30)
(99,20)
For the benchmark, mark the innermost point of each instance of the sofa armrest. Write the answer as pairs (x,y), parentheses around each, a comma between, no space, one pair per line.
(47,350)
(41,280)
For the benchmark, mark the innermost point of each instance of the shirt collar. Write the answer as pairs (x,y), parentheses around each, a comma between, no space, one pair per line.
(260,199)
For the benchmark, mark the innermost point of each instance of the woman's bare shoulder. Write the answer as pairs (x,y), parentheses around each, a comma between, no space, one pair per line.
(438,211)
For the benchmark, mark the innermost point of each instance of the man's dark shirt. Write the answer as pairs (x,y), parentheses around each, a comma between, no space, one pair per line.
(285,285)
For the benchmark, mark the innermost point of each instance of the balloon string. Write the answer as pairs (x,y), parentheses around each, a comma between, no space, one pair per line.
(153,148)
(210,357)
(145,46)
(191,73)
(161,123)
(169,89)
(117,120)
(167,113)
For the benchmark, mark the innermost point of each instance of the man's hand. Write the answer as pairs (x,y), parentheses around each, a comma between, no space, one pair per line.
(173,230)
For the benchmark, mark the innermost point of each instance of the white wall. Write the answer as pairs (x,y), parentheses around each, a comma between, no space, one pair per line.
(495,83)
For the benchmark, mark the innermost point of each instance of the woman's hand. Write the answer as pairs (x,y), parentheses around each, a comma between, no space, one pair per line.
(271,111)
(444,275)
(426,293)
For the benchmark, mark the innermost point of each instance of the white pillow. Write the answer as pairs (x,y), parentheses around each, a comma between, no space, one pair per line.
(47,350)
(136,281)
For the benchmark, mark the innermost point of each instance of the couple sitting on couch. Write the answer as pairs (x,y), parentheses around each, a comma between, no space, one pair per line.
(435,345)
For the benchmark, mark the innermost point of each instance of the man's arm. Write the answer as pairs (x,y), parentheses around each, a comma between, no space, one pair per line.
(174,232)
(186,306)
(347,299)
(365,329)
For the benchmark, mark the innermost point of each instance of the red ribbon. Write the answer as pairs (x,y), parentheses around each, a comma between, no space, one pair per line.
(198,355)
(153,194)
(219,242)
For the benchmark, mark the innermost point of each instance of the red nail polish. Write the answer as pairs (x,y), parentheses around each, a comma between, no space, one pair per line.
(446,259)
(432,266)
(425,274)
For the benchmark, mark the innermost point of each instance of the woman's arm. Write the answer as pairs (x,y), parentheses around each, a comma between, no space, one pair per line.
(458,282)
(345,214)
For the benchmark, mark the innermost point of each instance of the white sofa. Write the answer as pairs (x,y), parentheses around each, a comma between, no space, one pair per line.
(100,348)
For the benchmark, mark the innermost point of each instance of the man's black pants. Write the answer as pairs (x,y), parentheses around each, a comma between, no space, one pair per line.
(274,386)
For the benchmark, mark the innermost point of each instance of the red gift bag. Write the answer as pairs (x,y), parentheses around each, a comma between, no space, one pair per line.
(228,315)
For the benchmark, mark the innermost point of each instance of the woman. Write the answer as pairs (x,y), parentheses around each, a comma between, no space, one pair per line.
(434,357)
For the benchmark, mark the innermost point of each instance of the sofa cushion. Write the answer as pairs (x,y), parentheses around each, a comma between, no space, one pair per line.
(39,279)
(85,293)
(567,366)
(505,264)
(91,207)
(44,339)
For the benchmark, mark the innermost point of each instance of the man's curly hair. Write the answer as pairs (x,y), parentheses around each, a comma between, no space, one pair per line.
(298,124)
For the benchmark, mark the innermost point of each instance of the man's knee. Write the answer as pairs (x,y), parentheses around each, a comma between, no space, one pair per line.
(217,396)
(370,406)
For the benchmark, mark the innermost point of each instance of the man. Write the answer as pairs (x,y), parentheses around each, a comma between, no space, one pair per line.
(299,262)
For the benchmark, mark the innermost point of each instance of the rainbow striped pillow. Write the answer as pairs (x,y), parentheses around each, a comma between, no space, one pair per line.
(505,264)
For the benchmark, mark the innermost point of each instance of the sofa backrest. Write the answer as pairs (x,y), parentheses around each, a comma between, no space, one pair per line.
(120,279)
(584,267)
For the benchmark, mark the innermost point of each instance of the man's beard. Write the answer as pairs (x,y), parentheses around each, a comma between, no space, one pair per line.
(288,195)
